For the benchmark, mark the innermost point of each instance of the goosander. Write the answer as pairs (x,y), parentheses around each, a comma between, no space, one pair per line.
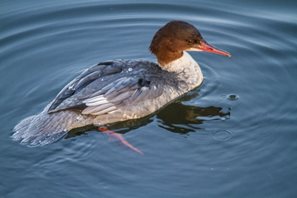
(120,90)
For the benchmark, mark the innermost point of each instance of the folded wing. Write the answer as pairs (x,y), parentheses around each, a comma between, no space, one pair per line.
(106,88)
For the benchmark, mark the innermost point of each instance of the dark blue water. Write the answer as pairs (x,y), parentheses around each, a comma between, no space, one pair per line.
(233,137)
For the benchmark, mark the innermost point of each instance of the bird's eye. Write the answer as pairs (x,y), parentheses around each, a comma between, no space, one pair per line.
(190,41)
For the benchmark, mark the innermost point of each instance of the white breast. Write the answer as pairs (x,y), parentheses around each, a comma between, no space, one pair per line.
(188,68)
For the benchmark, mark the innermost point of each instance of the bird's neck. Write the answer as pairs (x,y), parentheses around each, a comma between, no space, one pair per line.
(186,68)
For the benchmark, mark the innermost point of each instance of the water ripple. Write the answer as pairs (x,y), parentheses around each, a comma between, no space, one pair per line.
(239,124)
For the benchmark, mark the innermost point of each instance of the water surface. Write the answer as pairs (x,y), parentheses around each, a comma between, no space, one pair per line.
(234,136)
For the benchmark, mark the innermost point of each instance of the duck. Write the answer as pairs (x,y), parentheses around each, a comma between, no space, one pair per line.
(120,90)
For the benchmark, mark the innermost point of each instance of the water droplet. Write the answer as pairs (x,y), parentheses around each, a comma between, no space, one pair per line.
(130,69)
(232,97)
(222,135)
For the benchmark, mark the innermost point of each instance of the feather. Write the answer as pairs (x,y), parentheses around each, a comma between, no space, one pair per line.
(92,110)
(112,108)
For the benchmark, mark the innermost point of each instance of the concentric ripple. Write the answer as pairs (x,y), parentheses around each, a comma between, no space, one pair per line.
(235,135)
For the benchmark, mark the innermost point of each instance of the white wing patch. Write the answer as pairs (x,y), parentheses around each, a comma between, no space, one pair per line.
(98,105)
(117,95)
(95,101)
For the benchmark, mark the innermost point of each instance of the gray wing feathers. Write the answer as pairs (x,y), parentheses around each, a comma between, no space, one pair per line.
(85,78)
(94,94)
(111,96)
(123,91)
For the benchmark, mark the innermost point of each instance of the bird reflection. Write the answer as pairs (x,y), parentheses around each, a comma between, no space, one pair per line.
(177,117)
(184,118)
(181,118)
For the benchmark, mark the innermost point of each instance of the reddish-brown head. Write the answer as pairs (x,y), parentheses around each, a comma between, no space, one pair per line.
(175,37)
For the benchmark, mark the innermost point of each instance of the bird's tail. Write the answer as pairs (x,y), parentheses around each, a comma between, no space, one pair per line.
(43,128)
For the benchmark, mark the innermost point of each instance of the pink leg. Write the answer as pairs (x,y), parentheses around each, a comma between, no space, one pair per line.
(120,138)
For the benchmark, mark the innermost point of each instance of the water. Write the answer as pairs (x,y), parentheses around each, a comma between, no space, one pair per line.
(233,137)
